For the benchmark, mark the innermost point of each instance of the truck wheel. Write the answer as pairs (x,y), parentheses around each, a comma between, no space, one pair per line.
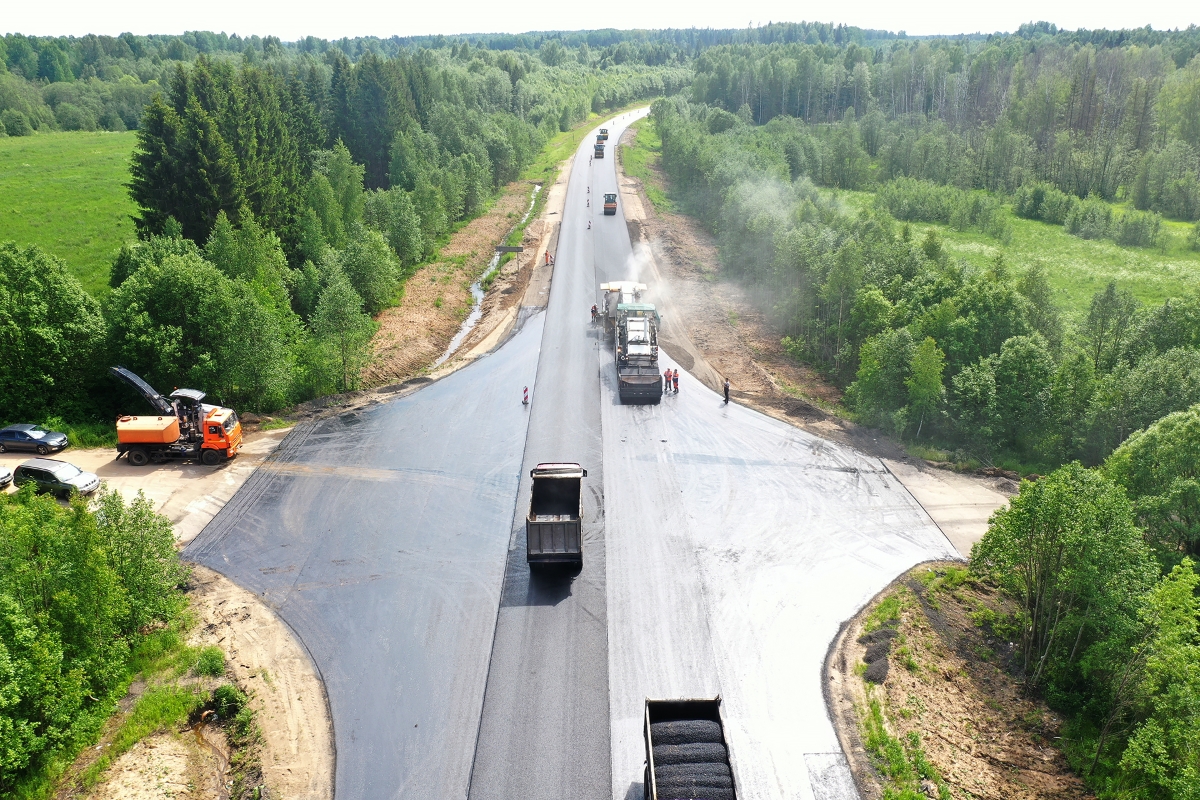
(138,457)
(210,457)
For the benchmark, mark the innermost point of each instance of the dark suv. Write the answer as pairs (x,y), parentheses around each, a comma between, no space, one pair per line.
(55,477)
(33,438)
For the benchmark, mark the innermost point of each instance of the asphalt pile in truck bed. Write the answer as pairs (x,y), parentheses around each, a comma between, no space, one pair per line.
(690,761)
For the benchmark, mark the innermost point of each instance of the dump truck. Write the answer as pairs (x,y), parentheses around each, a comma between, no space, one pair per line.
(610,204)
(183,427)
(635,349)
(615,293)
(686,753)
(603,134)
(599,149)
(554,527)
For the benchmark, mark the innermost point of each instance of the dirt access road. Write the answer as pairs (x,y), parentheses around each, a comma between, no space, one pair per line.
(714,329)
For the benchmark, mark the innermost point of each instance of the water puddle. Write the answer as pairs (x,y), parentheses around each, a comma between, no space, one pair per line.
(477,291)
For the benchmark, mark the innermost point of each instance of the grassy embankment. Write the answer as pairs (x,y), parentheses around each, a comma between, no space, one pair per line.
(65,192)
(179,682)
(640,157)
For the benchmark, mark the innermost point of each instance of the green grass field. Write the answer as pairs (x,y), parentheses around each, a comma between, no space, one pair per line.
(65,192)
(1077,268)
(638,158)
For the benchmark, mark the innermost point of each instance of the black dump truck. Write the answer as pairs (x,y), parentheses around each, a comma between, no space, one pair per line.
(686,755)
(599,150)
(554,527)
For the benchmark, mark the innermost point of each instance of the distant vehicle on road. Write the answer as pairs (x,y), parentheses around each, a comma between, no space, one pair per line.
(554,527)
(55,477)
(599,150)
(610,204)
(185,427)
(603,134)
(32,439)
(5,477)
(686,754)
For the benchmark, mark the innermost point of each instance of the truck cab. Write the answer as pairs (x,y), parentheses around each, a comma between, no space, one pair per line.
(222,431)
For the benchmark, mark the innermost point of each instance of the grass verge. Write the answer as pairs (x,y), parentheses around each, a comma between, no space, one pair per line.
(901,762)
(65,193)
(562,146)
(639,158)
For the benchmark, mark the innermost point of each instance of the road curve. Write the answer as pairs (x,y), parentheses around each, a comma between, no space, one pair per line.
(380,536)
(722,549)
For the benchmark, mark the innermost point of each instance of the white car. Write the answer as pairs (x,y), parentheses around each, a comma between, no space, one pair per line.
(5,477)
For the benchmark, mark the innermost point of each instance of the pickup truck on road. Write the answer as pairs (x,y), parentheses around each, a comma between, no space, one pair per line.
(554,527)
(686,755)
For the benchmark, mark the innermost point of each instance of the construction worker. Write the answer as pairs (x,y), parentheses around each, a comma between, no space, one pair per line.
(675,381)
(594,313)
(727,391)
(667,381)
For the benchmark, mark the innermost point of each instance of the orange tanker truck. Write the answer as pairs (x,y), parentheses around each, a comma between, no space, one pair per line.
(183,427)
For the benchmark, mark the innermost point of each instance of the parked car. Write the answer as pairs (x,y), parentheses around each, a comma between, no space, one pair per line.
(56,477)
(32,438)
(5,476)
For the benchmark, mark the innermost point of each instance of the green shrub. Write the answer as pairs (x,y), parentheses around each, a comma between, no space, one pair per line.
(1137,229)
(1090,219)
(15,122)
(228,700)
(210,662)
(1042,201)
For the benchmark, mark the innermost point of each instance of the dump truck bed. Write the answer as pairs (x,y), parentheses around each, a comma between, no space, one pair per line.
(554,525)
(687,757)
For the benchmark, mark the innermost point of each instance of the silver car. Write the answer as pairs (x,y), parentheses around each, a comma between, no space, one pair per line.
(5,476)
(56,477)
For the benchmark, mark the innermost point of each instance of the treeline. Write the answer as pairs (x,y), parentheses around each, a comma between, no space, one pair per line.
(82,593)
(1111,117)
(281,204)
(1101,564)
(978,360)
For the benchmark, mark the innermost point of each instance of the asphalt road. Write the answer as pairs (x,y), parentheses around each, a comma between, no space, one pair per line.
(722,549)
(380,538)
(545,731)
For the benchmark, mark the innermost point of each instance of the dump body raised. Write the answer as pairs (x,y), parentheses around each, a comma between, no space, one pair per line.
(610,204)
(554,527)
(686,754)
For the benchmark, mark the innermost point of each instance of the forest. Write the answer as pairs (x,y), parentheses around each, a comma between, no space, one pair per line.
(292,189)
(286,191)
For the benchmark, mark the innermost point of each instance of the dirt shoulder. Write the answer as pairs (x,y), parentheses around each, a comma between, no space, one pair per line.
(714,328)
(437,297)
(286,691)
(938,688)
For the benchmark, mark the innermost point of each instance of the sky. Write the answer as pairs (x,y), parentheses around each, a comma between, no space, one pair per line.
(331,20)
